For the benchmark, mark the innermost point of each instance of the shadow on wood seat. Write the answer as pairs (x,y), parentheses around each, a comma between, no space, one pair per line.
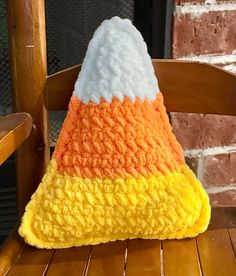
(186,86)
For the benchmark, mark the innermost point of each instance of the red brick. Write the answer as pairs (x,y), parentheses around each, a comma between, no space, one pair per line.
(213,32)
(227,198)
(196,131)
(192,163)
(220,170)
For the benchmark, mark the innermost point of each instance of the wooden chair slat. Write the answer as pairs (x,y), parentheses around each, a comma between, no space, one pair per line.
(14,130)
(232,234)
(71,261)
(31,261)
(196,87)
(60,87)
(213,91)
(143,257)
(10,250)
(181,258)
(216,253)
(107,259)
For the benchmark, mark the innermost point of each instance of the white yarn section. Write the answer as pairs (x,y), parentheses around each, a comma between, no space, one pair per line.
(116,64)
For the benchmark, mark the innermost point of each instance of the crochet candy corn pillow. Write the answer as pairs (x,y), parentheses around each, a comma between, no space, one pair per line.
(117,171)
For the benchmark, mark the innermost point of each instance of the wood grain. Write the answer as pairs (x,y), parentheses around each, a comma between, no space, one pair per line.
(187,86)
(143,258)
(216,253)
(60,87)
(10,250)
(71,261)
(14,130)
(196,87)
(27,40)
(216,249)
(181,258)
(107,259)
(31,262)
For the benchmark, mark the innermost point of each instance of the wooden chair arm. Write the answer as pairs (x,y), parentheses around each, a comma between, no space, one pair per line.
(10,250)
(14,130)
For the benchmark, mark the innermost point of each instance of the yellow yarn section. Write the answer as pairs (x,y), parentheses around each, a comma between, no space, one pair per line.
(70,211)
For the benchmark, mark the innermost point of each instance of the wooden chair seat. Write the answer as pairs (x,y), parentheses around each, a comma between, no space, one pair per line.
(211,253)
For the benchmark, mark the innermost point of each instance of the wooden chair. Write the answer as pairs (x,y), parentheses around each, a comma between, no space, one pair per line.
(187,87)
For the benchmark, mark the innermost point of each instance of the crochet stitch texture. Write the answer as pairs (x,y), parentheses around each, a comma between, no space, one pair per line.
(117,171)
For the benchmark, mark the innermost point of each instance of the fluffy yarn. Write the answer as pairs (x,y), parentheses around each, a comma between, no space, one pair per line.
(117,171)
(116,64)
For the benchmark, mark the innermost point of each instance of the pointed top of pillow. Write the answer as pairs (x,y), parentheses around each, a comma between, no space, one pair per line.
(116,64)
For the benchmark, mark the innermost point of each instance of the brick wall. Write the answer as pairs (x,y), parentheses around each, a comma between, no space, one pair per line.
(206,31)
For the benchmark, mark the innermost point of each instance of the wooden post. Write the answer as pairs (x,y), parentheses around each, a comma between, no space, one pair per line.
(27,40)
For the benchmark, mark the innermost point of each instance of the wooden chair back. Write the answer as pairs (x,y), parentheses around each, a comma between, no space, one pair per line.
(187,87)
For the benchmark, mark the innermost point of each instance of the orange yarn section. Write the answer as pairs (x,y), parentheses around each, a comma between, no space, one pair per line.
(117,139)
